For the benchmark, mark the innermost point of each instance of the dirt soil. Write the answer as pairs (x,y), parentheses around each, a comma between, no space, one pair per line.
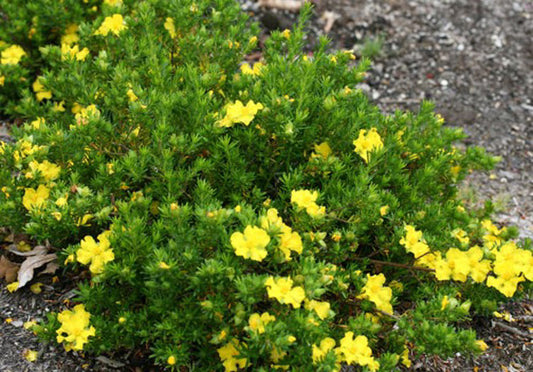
(474,59)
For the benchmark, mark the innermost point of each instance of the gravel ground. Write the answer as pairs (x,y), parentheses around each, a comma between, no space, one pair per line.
(474,59)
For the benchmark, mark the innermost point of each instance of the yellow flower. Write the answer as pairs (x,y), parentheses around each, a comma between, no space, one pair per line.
(171,360)
(229,356)
(307,200)
(114,24)
(357,351)
(321,151)
(252,244)
(320,352)
(258,322)
(282,290)
(131,95)
(321,308)
(290,241)
(30,355)
(40,92)
(74,331)
(73,52)
(12,55)
(2,80)
(413,242)
(113,2)
(49,171)
(444,303)
(461,236)
(12,287)
(238,113)
(375,291)
(405,358)
(384,210)
(256,70)
(97,254)
(367,143)
(482,345)
(35,198)
(170,27)
(163,265)
(286,33)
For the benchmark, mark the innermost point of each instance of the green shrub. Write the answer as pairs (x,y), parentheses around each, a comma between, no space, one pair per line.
(266,217)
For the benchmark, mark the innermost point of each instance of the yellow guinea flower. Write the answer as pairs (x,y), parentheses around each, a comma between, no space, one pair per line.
(113,2)
(97,254)
(303,198)
(229,356)
(306,199)
(322,151)
(290,241)
(460,235)
(256,70)
(455,266)
(35,198)
(384,210)
(367,143)
(321,308)
(170,27)
(237,112)
(258,322)
(73,52)
(413,242)
(282,290)
(40,92)
(252,244)
(171,360)
(74,331)
(479,268)
(357,351)
(49,171)
(12,55)
(375,291)
(114,24)
(320,352)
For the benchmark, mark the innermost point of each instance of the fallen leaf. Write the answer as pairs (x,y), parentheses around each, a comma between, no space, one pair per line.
(51,268)
(31,263)
(8,270)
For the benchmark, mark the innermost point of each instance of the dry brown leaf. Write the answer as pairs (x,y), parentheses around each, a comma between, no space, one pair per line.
(8,270)
(31,263)
(51,268)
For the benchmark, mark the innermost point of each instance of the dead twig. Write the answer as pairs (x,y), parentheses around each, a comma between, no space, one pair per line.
(512,329)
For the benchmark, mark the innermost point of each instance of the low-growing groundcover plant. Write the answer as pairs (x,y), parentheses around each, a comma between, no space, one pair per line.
(246,216)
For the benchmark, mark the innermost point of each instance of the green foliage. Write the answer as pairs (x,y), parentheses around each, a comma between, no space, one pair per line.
(189,211)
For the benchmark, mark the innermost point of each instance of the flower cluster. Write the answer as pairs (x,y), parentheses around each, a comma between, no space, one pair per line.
(113,24)
(512,265)
(229,354)
(75,330)
(351,350)
(12,55)
(306,199)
